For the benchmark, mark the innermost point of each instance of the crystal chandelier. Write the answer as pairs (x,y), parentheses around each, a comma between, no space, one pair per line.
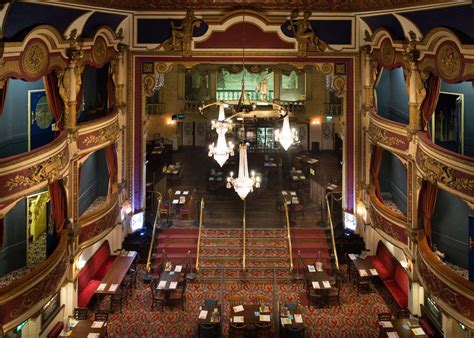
(221,150)
(286,136)
(243,184)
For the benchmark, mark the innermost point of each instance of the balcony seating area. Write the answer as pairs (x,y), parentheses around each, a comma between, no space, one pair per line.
(392,274)
(93,272)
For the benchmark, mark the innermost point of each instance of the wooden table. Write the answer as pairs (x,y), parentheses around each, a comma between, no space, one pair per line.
(169,277)
(319,277)
(365,264)
(116,273)
(293,324)
(249,314)
(180,196)
(401,327)
(83,328)
(207,320)
(290,196)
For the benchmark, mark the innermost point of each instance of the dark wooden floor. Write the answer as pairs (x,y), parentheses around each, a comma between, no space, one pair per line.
(223,207)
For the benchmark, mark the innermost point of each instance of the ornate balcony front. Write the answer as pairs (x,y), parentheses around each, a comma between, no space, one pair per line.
(97,134)
(393,224)
(454,294)
(27,295)
(389,134)
(452,171)
(96,225)
(24,173)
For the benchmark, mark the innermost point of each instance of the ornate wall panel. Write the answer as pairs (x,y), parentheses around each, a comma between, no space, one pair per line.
(95,225)
(27,295)
(97,133)
(394,225)
(452,171)
(454,294)
(21,174)
(388,134)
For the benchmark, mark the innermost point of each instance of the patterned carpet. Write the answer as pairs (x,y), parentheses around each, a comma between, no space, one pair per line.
(357,316)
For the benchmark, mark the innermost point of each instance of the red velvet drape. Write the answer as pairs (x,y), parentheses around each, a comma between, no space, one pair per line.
(55,102)
(57,193)
(110,91)
(375,162)
(433,85)
(111,158)
(3,95)
(427,205)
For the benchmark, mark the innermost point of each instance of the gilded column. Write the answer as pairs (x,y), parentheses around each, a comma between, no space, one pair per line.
(118,77)
(70,81)
(367,77)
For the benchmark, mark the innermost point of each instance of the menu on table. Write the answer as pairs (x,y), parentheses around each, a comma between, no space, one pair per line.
(178,268)
(298,318)
(311,268)
(161,284)
(264,318)
(373,272)
(362,272)
(93,335)
(238,308)
(386,324)
(315,285)
(101,287)
(113,287)
(97,325)
(178,192)
(418,331)
(352,256)
(392,335)
(182,199)
(211,178)
(283,192)
(326,284)
(285,321)
(293,193)
(238,319)
(302,177)
(175,201)
(173,285)
(294,200)
(203,314)
(185,192)
(295,177)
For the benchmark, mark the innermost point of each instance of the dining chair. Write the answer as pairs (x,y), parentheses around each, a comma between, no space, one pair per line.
(118,298)
(351,270)
(178,295)
(133,273)
(292,306)
(210,303)
(208,331)
(186,209)
(237,330)
(295,332)
(236,300)
(80,313)
(384,316)
(126,286)
(263,330)
(333,294)
(101,316)
(157,296)
(403,314)
(363,284)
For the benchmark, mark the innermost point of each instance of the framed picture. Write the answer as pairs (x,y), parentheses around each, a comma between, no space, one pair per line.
(40,119)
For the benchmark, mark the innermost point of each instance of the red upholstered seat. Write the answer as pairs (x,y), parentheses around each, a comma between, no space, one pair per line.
(389,262)
(92,273)
(384,274)
(427,328)
(398,294)
(56,330)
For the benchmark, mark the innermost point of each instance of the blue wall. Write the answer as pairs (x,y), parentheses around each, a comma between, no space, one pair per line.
(392,97)
(468,91)
(393,179)
(13,251)
(94,180)
(14,120)
(449,227)
(94,91)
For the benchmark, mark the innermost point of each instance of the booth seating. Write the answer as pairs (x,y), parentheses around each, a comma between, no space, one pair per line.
(425,325)
(392,274)
(56,330)
(92,273)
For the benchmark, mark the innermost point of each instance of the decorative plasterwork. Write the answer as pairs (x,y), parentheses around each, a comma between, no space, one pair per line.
(97,134)
(388,134)
(452,293)
(28,172)
(26,296)
(389,225)
(101,221)
(454,172)
(449,61)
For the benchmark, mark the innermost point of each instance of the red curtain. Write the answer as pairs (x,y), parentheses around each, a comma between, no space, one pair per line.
(427,205)
(433,85)
(375,162)
(110,91)
(57,193)
(3,95)
(55,102)
(111,158)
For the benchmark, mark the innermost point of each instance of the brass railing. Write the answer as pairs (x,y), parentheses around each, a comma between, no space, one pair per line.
(199,234)
(157,217)
(290,250)
(244,235)
(331,226)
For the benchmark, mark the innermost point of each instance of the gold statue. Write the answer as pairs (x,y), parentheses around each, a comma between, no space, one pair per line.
(182,35)
(304,33)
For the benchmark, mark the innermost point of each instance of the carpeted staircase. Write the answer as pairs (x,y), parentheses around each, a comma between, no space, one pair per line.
(310,243)
(221,255)
(177,243)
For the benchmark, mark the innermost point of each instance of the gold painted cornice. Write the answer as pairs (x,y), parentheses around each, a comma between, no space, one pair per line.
(388,134)
(97,134)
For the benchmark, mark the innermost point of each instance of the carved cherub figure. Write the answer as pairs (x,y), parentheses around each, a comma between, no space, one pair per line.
(303,30)
(181,35)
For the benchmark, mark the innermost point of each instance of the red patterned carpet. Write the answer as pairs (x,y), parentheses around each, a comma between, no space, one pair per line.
(357,316)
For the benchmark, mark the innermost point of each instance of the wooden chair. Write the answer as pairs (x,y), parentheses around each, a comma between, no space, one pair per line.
(118,298)
(295,332)
(101,316)
(403,314)
(126,286)
(237,330)
(236,300)
(157,296)
(80,313)
(186,209)
(384,316)
(315,296)
(263,330)
(333,294)
(363,284)
(351,270)
(261,299)
(208,331)
(178,295)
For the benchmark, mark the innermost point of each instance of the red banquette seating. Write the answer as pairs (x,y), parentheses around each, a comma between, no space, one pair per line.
(392,274)
(92,274)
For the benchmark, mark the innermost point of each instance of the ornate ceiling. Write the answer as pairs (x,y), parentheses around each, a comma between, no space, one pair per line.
(314,5)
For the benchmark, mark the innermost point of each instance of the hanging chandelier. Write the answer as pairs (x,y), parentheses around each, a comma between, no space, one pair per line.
(286,136)
(243,184)
(222,150)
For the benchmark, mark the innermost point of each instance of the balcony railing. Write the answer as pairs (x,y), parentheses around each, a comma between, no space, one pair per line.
(98,133)
(454,294)
(26,296)
(391,135)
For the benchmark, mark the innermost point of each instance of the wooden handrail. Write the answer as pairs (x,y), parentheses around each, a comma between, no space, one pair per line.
(332,229)
(289,234)
(150,249)
(199,234)
(244,236)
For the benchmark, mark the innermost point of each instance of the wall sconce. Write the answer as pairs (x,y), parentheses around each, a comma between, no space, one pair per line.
(170,122)
(361,211)
(316,121)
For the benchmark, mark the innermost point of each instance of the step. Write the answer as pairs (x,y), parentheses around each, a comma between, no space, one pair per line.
(310,245)
(267,252)
(281,242)
(177,236)
(179,245)
(180,231)
(310,235)
(224,242)
(205,263)
(256,263)
(226,251)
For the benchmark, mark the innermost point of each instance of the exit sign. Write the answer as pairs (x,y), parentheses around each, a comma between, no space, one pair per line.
(177,117)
